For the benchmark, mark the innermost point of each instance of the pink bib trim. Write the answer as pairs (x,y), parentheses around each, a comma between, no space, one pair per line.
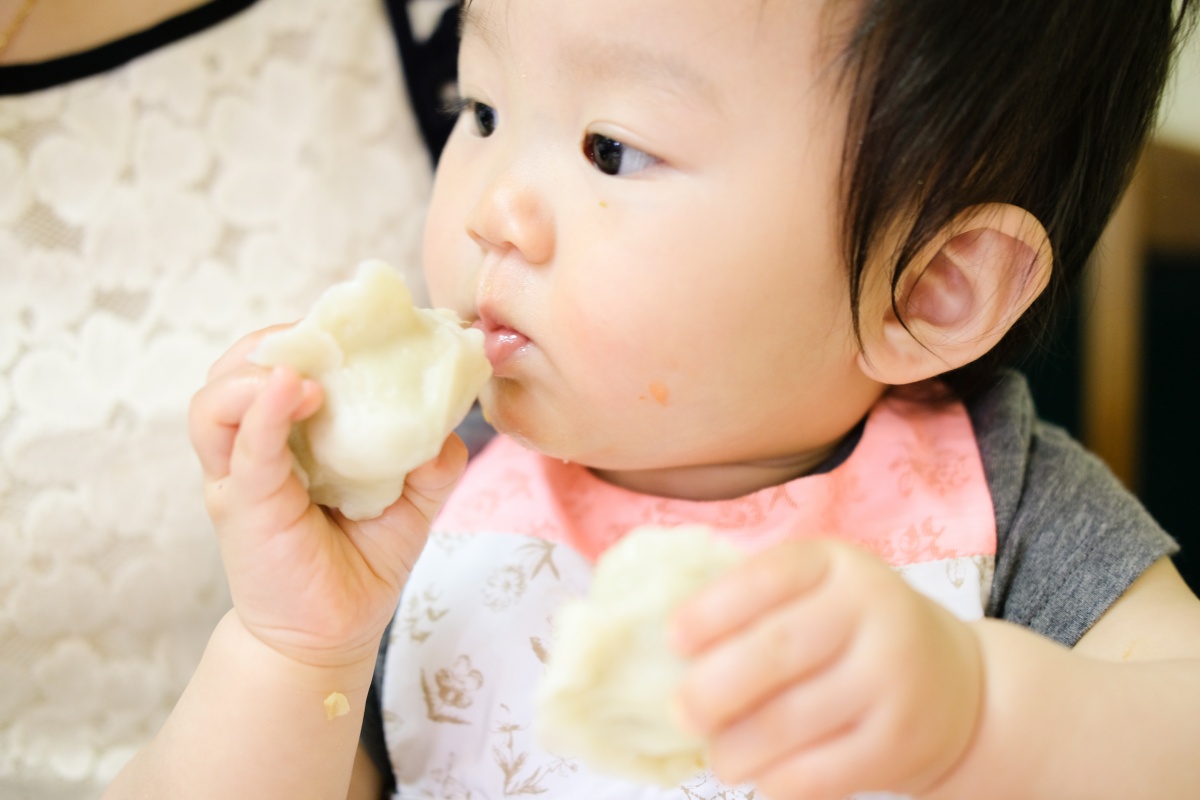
(912,491)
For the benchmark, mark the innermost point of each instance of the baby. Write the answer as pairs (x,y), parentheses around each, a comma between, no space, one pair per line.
(751,265)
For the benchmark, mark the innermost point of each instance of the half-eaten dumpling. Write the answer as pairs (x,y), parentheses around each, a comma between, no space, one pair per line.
(609,691)
(397,381)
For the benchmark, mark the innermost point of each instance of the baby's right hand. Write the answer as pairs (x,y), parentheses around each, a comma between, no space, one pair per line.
(308,582)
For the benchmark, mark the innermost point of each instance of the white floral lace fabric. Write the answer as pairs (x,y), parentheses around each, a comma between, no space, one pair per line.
(148,218)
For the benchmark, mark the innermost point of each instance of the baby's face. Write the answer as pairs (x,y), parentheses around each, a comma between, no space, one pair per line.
(640,206)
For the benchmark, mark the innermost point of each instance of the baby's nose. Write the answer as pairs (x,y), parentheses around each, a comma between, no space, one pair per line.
(512,212)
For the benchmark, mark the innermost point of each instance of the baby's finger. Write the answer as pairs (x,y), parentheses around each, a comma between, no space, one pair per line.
(218,408)
(747,592)
(787,645)
(261,462)
(427,487)
(392,541)
(836,768)
(803,716)
(214,415)
(239,353)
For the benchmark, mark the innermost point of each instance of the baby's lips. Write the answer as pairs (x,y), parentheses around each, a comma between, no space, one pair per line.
(500,342)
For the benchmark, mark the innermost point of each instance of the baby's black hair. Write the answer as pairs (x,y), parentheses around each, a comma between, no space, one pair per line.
(1044,104)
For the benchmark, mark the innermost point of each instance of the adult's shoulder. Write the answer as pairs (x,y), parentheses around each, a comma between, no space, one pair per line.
(59,70)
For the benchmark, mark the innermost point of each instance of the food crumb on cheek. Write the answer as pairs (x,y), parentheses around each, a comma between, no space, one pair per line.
(660,393)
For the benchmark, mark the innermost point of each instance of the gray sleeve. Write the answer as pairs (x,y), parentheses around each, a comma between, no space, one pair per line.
(1070,537)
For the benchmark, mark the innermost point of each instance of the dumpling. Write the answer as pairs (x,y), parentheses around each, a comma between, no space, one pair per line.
(397,381)
(608,694)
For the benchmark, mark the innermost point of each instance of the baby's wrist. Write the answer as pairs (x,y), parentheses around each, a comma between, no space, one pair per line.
(1018,670)
(344,671)
(253,722)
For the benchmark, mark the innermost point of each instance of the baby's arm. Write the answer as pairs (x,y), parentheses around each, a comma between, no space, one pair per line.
(819,672)
(1118,716)
(263,716)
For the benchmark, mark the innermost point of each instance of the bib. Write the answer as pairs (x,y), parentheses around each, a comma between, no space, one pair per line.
(520,536)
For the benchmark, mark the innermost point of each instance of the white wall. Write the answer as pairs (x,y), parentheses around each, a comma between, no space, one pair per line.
(1181,111)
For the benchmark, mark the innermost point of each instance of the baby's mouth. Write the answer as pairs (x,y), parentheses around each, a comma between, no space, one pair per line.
(501,343)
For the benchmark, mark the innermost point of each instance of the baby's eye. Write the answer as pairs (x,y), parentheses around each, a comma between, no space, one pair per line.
(483,115)
(614,158)
(485,118)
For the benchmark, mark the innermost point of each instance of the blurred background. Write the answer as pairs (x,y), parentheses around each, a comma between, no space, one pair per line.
(1122,369)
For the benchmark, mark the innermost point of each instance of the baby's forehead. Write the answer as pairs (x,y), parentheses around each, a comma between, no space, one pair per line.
(692,47)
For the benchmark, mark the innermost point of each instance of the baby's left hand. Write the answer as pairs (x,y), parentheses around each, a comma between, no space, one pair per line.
(818,672)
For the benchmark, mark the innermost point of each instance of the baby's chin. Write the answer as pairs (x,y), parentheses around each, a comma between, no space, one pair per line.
(515,411)
(563,430)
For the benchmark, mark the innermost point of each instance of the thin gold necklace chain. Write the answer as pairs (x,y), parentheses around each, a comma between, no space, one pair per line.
(15,24)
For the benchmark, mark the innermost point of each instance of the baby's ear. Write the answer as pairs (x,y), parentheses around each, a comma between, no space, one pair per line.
(959,298)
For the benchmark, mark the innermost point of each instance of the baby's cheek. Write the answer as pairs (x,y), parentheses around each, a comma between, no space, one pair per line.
(439,266)
(614,371)
(446,252)
(606,329)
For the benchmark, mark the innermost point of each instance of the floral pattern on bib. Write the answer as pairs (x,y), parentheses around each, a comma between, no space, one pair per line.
(521,534)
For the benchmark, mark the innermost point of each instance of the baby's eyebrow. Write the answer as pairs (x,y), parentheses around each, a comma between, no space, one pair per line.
(622,61)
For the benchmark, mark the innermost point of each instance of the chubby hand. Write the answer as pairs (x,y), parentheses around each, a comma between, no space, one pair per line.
(308,582)
(818,672)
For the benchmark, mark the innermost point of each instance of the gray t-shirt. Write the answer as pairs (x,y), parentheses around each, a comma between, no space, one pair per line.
(1070,537)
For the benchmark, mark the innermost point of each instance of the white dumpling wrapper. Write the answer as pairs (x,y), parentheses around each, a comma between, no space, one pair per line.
(397,379)
(608,695)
